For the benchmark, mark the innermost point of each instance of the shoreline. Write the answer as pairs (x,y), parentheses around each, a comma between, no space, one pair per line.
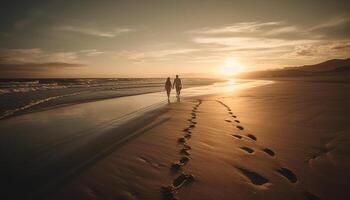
(29,111)
(77,97)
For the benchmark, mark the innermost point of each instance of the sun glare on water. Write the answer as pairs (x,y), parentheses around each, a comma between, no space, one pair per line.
(231,67)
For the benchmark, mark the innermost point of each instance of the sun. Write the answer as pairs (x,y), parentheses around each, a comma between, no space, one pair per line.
(231,67)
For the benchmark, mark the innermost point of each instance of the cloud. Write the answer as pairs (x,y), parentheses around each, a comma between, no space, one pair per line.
(277,29)
(243,27)
(342,47)
(305,50)
(29,70)
(271,44)
(323,49)
(283,30)
(165,54)
(249,42)
(94,32)
(36,55)
(334,22)
(34,62)
(91,52)
(272,28)
(6,67)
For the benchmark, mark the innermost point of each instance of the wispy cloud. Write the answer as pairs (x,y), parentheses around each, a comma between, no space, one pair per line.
(36,55)
(91,52)
(322,49)
(333,22)
(282,30)
(165,54)
(94,32)
(30,70)
(273,28)
(249,42)
(243,27)
(28,67)
(35,62)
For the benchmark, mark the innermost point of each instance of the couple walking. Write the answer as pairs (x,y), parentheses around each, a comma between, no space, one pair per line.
(176,84)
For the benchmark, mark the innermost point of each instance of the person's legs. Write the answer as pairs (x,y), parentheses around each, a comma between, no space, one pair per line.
(178,91)
(168,93)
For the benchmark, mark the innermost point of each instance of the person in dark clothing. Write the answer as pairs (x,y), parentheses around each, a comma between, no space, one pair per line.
(168,87)
(177,85)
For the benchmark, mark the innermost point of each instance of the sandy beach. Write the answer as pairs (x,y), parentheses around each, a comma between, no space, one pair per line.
(175,100)
(285,140)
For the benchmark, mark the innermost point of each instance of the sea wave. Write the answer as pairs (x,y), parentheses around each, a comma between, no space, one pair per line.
(27,95)
(8,113)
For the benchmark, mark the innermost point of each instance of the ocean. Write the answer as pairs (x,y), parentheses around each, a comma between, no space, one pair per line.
(19,96)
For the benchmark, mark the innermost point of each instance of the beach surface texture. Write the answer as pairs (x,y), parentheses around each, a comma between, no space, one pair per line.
(256,140)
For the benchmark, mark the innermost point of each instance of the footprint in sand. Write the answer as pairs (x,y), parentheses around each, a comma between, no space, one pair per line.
(184,159)
(183,179)
(230,113)
(188,136)
(240,127)
(247,149)
(227,120)
(288,174)
(254,177)
(234,116)
(185,151)
(237,136)
(193,122)
(181,140)
(269,151)
(191,126)
(251,136)
(237,121)
(176,166)
(187,130)
(187,147)
(169,192)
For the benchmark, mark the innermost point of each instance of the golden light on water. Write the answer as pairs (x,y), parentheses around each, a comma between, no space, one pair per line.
(231,67)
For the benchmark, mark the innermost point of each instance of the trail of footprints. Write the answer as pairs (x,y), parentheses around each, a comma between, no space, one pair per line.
(170,192)
(184,178)
(254,177)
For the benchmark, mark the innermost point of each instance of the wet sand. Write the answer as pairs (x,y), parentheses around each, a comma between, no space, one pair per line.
(42,151)
(286,140)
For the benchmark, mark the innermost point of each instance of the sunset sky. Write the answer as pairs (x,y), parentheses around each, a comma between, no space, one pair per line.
(157,38)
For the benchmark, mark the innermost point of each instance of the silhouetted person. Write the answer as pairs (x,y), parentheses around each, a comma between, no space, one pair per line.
(178,85)
(168,87)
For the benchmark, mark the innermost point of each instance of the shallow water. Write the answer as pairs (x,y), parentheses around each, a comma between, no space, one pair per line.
(18,96)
